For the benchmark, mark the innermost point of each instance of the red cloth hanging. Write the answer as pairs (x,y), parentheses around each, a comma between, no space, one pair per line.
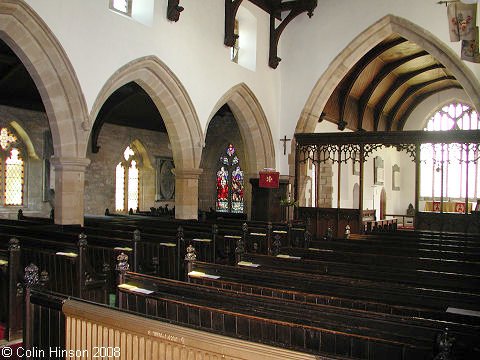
(269,179)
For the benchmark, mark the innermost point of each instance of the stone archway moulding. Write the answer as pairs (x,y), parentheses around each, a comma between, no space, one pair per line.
(376,33)
(253,126)
(171,100)
(48,65)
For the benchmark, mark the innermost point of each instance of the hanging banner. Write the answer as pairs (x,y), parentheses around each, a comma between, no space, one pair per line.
(269,179)
(462,21)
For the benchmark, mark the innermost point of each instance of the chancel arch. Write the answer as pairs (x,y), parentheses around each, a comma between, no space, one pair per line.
(364,43)
(179,117)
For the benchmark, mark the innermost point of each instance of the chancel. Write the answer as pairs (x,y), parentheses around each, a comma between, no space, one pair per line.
(239,179)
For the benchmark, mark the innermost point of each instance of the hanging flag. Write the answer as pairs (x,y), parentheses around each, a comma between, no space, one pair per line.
(269,179)
(462,21)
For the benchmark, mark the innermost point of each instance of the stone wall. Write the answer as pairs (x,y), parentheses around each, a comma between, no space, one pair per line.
(35,124)
(100,174)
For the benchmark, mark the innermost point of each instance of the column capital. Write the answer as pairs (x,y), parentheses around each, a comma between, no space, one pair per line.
(70,163)
(189,173)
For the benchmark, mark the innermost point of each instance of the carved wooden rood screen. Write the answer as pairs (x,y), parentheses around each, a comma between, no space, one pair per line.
(340,148)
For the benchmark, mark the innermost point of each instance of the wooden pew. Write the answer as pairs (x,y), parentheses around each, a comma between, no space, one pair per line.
(250,317)
(10,294)
(450,283)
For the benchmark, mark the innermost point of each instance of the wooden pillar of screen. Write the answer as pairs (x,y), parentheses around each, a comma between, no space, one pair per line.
(417,180)
(360,197)
(466,179)
(339,180)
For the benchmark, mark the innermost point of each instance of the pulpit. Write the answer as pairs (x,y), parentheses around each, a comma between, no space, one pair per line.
(266,201)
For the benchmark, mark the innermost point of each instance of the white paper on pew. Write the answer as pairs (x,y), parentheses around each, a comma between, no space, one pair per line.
(248,263)
(284,256)
(317,249)
(463,311)
(202,240)
(134,289)
(122,248)
(232,236)
(200,274)
(258,234)
(168,244)
(68,254)
(141,291)
(3,262)
(126,286)
(279,232)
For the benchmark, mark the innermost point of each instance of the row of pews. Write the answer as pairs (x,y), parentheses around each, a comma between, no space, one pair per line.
(367,297)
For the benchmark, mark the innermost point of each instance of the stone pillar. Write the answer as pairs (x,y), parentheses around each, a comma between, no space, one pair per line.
(69,189)
(186,193)
(325,186)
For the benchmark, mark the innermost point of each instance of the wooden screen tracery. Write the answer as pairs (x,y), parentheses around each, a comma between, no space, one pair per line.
(320,148)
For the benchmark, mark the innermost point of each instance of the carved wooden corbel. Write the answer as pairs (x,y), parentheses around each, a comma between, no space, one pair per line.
(231,8)
(174,10)
(296,8)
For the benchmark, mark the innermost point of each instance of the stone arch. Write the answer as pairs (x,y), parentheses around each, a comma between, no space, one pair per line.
(373,35)
(48,65)
(171,100)
(27,141)
(253,125)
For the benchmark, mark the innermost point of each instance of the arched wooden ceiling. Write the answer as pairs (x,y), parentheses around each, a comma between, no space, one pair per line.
(386,85)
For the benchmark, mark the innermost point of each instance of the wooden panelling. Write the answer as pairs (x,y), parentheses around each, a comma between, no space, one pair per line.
(90,327)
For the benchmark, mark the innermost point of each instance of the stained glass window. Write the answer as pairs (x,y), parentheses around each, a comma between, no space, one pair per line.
(14,178)
(229,183)
(127,182)
(451,164)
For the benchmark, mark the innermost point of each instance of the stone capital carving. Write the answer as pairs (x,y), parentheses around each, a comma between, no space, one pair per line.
(192,173)
(70,163)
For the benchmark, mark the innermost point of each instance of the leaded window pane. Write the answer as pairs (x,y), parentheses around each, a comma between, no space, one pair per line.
(119,188)
(133,186)
(14,178)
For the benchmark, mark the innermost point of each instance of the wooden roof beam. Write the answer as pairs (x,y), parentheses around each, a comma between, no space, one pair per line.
(410,92)
(358,68)
(401,123)
(384,72)
(173,10)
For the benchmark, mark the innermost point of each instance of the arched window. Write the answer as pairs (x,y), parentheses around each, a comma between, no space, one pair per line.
(13,166)
(229,183)
(127,182)
(451,170)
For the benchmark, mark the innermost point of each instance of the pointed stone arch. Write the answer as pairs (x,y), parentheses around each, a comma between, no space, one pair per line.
(253,125)
(48,65)
(180,119)
(171,100)
(372,36)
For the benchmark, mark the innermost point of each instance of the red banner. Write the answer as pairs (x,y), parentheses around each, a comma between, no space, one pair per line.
(269,179)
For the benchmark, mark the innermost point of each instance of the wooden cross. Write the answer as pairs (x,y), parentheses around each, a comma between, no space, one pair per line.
(285,144)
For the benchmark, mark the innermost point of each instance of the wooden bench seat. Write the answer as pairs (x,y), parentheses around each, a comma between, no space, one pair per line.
(242,315)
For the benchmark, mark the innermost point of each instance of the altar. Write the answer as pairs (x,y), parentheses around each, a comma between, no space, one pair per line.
(447,206)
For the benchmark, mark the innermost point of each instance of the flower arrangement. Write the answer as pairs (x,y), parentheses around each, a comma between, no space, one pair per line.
(288,202)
